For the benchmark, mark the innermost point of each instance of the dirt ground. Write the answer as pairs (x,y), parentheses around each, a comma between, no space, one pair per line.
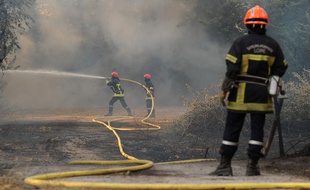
(44,141)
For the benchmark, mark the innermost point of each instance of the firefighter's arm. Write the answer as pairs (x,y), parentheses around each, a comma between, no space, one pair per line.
(233,63)
(152,91)
(280,65)
(109,82)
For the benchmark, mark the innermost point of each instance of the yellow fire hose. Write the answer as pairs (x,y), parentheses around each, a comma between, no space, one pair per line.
(48,179)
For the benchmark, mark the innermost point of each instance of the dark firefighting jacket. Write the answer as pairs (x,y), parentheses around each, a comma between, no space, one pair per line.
(150,86)
(251,60)
(115,85)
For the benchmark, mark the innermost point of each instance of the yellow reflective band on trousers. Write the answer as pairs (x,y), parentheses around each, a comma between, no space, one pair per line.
(250,106)
(231,58)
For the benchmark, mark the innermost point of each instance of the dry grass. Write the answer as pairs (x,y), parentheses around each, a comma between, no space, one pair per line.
(295,116)
(296,110)
(204,112)
(203,122)
(8,183)
(205,117)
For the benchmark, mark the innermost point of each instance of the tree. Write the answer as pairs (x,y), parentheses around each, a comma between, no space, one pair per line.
(289,24)
(14,19)
(221,18)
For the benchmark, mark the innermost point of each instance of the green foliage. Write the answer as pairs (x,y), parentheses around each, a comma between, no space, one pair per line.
(14,21)
(222,19)
(289,24)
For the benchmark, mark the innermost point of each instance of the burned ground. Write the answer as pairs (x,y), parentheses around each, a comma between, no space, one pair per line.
(54,137)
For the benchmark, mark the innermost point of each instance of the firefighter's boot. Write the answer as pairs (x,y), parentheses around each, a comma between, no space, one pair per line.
(252,168)
(129,111)
(110,112)
(224,169)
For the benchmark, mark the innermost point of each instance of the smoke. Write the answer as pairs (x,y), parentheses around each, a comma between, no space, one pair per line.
(97,37)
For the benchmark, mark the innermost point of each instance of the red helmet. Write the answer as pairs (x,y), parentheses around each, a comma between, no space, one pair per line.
(114,74)
(256,15)
(147,76)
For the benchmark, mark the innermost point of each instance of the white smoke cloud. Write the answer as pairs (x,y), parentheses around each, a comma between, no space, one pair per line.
(132,37)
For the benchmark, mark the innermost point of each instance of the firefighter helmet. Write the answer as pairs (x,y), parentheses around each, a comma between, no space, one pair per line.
(256,15)
(114,74)
(147,76)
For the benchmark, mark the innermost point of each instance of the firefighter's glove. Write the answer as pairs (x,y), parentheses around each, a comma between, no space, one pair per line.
(223,97)
(228,84)
(148,91)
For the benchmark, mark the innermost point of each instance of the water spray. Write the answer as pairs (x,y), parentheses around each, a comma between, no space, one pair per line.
(53,72)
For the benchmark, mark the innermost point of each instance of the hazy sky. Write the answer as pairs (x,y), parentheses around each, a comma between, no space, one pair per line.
(97,37)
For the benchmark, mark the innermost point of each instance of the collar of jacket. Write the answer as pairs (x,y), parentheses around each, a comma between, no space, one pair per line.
(261,31)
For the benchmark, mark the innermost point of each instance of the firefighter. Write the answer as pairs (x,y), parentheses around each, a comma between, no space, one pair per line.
(150,86)
(115,85)
(251,60)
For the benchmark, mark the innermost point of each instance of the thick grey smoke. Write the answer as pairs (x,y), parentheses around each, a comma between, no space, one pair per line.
(97,37)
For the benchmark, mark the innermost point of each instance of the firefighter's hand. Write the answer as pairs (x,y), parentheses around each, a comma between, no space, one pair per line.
(223,97)
(228,84)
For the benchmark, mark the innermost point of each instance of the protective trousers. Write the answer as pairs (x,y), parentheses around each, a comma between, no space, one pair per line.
(233,127)
(123,102)
(149,107)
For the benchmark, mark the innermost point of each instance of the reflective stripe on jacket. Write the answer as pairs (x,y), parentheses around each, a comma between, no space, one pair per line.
(115,85)
(150,86)
(254,55)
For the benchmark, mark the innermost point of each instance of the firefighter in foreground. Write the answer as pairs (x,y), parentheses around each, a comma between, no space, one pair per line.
(251,61)
(150,86)
(115,85)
